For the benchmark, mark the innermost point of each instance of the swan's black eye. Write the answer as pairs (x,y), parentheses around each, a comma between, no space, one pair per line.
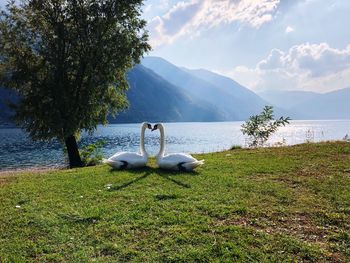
(149,126)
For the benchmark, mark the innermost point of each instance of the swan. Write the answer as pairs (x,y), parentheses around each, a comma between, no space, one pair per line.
(131,160)
(174,161)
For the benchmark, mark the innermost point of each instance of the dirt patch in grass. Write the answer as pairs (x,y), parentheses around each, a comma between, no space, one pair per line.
(298,225)
(8,176)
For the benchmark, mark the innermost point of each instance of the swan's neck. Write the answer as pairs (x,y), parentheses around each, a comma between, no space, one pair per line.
(162,143)
(142,142)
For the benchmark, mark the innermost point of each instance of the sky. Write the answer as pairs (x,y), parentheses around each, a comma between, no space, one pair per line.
(262,44)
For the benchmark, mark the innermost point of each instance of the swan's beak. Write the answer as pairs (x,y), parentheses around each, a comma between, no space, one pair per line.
(149,126)
(155,128)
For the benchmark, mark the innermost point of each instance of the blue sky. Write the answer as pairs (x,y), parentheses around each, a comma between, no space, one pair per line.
(263,44)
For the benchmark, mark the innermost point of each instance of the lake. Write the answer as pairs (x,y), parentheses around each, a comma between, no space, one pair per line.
(18,151)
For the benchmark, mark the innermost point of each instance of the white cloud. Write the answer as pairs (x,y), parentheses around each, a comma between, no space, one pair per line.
(316,67)
(289,29)
(191,17)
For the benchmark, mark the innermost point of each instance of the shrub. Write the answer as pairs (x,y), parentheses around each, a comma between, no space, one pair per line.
(92,154)
(235,147)
(260,127)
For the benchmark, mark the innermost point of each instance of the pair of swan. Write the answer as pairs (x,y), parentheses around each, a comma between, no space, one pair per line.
(175,161)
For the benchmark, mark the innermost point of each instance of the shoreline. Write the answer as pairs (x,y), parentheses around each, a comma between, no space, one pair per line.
(38,169)
(42,169)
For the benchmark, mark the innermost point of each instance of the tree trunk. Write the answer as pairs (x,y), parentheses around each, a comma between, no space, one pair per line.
(73,152)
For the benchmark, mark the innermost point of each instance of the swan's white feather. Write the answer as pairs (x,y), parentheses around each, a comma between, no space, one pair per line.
(192,165)
(178,161)
(127,156)
(178,158)
(174,161)
(133,160)
(114,164)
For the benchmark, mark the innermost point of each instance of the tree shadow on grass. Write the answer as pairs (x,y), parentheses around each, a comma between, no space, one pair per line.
(147,171)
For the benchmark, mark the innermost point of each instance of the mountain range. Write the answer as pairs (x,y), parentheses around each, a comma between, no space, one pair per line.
(233,101)
(155,99)
(311,105)
(161,91)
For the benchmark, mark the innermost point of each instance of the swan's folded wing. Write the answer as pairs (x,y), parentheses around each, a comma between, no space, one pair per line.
(115,163)
(127,159)
(178,158)
(189,166)
(168,164)
(126,156)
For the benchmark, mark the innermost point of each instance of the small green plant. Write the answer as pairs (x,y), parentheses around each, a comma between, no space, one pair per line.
(235,147)
(310,136)
(280,143)
(260,127)
(92,154)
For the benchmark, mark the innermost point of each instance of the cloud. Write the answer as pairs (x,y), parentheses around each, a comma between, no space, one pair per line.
(316,67)
(314,60)
(289,29)
(191,17)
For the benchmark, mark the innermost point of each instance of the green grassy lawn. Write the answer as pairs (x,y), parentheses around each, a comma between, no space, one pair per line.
(289,204)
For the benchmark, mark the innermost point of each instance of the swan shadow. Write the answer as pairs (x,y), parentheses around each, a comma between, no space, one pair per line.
(129,183)
(171,179)
(168,175)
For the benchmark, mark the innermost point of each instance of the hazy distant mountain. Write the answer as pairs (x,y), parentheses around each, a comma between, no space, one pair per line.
(234,101)
(332,105)
(246,102)
(287,99)
(225,83)
(154,99)
(312,105)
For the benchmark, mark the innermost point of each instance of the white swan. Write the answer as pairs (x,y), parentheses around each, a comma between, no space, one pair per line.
(131,160)
(174,161)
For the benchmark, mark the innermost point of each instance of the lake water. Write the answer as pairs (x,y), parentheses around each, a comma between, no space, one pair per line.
(18,151)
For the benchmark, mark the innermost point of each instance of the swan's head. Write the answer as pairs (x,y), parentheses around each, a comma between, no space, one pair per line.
(157,126)
(147,125)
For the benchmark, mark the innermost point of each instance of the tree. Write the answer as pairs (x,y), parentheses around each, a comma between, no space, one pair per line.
(67,60)
(260,127)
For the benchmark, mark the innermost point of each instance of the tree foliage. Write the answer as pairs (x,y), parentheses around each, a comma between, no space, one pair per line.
(260,127)
(67,59)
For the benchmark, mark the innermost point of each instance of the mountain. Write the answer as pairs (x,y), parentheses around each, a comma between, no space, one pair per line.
(331,105)
(225,83)
(154,99)
(288,99)
(312,105)
(234,101)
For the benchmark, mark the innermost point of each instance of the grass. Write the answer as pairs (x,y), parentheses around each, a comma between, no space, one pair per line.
(287,204)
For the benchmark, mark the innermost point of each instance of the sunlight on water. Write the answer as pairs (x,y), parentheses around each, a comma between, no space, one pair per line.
(17,151)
